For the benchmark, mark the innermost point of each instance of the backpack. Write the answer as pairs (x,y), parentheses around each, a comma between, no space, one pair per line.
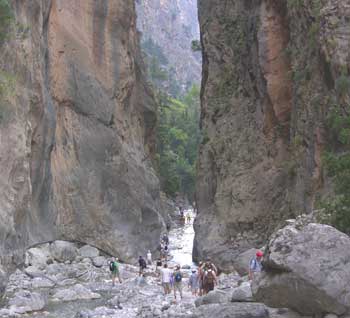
(178,277)
(209,278)
(112,266)
(143,263)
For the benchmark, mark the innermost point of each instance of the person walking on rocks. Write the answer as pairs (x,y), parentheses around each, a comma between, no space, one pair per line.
(209,281)
(114,268)
(166,279)
(177,281)
(142,264)
(255,265)
(200,278)
(193,282)
(149,257)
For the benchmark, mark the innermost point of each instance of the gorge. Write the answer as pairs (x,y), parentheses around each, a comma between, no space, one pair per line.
(79,142)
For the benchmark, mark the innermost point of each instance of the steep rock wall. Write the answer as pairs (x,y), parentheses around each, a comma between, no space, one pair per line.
(172,25)
(269,69)
(77,142)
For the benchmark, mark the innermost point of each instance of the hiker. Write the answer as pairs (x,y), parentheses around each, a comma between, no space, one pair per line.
(114,268)
(165,239)
(168,226)
(193,282)
(209,280)
(200,278)
(149,257)
(158,264)
(164,252)
(209,265)
(166,274)
(177,281)
(188,218)
(255,265)
(142,264)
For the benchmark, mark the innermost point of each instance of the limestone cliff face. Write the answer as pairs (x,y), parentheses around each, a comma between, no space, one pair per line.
(172,25)
(269,74)
(77,143)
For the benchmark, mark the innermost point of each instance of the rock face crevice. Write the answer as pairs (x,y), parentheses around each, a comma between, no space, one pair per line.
(268,83)
(77,145)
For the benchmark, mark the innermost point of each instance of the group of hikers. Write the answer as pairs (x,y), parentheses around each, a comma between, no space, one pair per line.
(185,218)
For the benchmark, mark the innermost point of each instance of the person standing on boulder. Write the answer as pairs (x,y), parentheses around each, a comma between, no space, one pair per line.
(177,281)
(142,264)
(114,268)
(255,265)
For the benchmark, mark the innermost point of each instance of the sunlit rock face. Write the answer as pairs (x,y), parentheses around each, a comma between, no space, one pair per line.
(172,25)
(269,74)
(77,144)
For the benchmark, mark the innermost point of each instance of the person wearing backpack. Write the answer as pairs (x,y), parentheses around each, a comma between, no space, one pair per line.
(193,282)
(177,281)
(142,265)
(209,281)
(114,268)
(255,265)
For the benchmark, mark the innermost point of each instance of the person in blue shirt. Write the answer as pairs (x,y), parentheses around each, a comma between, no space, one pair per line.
(255,265)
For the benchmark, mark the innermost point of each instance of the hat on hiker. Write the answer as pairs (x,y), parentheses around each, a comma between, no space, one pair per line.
(259,254)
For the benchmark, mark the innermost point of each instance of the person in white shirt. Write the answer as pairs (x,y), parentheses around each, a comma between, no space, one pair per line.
(166,275)
(149,258)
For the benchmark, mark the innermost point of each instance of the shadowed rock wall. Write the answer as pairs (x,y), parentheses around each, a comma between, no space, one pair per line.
(77,143)
(269,69)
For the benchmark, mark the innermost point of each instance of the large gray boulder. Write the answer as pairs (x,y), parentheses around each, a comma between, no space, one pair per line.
(242,293)
(25,301)
(307,269)
(89,251)
(63,251)
(76,292)
(38,256)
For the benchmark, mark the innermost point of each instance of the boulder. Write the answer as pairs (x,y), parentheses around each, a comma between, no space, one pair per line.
(214,297)
(242,293)
(38,256)
(99,261)
(3,280)
(89,251)
(63,251)
(75,293)
(241,261)
(233,310)
(307,270)
(283,313)
(25,301)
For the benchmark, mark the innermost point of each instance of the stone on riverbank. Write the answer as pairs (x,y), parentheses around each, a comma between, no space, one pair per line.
(63,251)
(307,270)
(89,251)
(75,292)
(25,301)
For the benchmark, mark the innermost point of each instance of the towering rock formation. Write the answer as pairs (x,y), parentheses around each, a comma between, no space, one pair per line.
(78,135)
(172,25)
(269,75)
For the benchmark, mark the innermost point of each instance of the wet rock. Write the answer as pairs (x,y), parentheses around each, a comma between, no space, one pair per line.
(63,251)
(233,310)
(99,261)
(242,293)
(214,297)
(74,293)
(89,251)
(98,312)
(25,301)
(186,267)
(307,270)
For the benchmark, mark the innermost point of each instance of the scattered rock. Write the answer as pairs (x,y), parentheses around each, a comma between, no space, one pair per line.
(99,261)
(307,270)
(38,256)
(25,301)
(283,313)
(63,251)
(74,293)
(242,293)
(214,297)
(89,251)
(186,267)
(233,310)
